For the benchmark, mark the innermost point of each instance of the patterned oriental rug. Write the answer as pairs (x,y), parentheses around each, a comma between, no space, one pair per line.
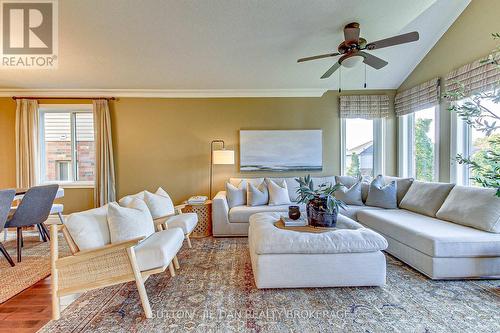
(214,291)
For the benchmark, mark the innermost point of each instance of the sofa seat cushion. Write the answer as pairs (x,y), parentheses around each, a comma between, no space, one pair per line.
(186,221)
(351,237)
(431,236)
(241,214)
(351,211)
(159,249)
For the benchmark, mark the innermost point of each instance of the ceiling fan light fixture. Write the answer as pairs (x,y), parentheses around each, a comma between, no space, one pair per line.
(352,61)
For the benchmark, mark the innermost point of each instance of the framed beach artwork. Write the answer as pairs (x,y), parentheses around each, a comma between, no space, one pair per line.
(281,150)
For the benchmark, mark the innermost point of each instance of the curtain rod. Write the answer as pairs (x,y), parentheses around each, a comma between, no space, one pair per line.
(35,97)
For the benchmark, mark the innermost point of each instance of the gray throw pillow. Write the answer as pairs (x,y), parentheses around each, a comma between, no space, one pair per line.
(236,196)
(257,195)
(403,184)
(382,195)
(350,195)
(347,181)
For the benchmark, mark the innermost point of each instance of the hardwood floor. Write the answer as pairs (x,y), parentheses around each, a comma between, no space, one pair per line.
(28,311)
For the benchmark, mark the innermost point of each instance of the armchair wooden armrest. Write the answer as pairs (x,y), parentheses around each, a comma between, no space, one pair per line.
(87,255)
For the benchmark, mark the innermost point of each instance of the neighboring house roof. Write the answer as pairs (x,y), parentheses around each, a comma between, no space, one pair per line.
(365,148)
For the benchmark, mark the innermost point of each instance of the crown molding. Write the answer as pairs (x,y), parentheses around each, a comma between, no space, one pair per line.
(164,93)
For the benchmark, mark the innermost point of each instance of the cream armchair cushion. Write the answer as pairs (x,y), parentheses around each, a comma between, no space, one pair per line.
(159,249)
(185,221)
(130,222)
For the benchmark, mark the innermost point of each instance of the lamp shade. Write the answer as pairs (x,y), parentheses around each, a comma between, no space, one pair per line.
(223,156)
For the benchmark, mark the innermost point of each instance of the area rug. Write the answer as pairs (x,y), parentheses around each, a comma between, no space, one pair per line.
(34,266)
(214,292)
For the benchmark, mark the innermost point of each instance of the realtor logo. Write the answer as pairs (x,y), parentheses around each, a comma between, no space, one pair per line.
(29,34)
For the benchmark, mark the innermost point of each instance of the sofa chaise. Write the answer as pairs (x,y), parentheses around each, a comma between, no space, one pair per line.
(442,230)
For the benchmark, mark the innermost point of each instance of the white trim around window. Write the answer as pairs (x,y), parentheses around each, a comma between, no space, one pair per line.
(406,138)
(63,108)
(379,129)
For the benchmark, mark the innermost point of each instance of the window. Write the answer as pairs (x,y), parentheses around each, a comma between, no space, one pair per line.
(469,142)
(67,144)
(418,147)
(362,147)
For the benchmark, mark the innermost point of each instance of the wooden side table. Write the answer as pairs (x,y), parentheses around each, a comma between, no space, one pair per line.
(204,212)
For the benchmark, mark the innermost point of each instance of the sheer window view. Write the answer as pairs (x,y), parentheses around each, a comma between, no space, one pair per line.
(424,143)
(358,147)
(68,153)
(479,144)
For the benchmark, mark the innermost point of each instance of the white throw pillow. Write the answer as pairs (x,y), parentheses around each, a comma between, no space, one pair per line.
(126,200)
(257,195)
(159,203)
(236,196)
(278,193)
(89,229)
(130,222)
(350,195)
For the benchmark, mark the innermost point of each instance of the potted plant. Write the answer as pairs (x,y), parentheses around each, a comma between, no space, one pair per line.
(321,205)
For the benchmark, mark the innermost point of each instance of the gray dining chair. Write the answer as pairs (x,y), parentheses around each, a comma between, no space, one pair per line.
(33,210)
(6,198)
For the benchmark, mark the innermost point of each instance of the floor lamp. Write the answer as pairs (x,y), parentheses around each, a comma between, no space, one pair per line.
(219,156)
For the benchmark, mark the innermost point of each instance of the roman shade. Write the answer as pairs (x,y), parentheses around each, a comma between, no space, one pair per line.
(478,76)
(364,106)
(420,97)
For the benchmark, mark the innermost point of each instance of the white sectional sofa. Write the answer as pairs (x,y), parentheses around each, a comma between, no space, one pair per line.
(442,230)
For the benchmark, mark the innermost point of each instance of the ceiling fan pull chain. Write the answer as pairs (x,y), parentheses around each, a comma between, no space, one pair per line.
(365,76)
(340,79)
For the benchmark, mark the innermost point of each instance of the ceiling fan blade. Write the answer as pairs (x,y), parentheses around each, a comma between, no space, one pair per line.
(396,40)
(372,60)
(351,34)
(321,56)
(331,70)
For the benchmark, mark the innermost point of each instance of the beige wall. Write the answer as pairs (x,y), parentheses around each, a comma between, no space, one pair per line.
(165,142)
(468,39)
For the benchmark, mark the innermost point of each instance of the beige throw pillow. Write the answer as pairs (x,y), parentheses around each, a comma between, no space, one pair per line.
(425,198)
(475,207)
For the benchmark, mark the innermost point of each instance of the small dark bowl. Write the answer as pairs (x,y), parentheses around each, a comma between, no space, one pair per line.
(294,212)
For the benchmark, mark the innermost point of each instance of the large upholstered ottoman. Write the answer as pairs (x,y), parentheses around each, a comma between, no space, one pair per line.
(347,256)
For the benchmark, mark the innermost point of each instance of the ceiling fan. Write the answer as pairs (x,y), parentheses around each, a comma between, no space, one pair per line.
(352,49)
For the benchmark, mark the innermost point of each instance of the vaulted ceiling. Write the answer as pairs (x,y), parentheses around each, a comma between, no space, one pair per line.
(230,44)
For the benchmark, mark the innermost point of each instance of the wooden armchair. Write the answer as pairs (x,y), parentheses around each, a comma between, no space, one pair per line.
(109,265)
(186,221)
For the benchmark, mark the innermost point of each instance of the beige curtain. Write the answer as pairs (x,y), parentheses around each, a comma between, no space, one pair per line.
(420,97)
(475,77)
(27,143)
(364,106)
(104,191)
